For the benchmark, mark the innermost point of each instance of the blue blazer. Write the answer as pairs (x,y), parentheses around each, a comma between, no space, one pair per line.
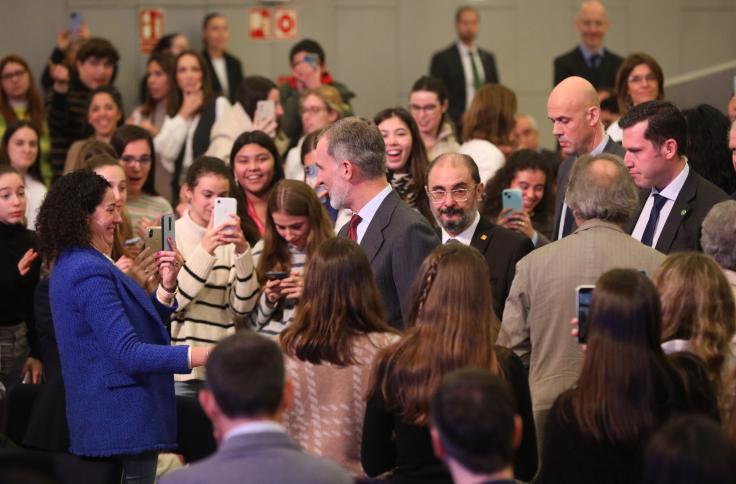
(116,358)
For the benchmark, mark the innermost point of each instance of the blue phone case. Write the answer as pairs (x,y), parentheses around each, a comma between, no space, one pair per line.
(511,198)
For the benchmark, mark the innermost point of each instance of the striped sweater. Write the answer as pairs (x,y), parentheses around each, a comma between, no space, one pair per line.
(272,320)
(213,290)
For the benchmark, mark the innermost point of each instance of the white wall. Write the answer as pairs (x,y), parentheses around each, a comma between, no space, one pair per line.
(379,47)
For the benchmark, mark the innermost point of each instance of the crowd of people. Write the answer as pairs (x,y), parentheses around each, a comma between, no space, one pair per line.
(392,299)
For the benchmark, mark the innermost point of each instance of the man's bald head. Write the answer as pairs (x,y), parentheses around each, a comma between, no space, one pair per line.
(575,111)
(592,23)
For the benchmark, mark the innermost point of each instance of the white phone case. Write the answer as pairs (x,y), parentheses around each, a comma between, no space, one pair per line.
(224,206)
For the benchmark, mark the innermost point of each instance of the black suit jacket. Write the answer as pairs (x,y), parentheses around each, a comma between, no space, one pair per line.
(446,65)
(234,74)
(573,64)
(563,178)
(681,231)
(396,243)
(502,248)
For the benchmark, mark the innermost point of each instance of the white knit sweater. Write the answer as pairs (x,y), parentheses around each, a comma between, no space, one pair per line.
(213,290)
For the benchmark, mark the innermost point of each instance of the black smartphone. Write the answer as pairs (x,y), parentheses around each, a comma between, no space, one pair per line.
(273,275)
(167,230)
(584,294)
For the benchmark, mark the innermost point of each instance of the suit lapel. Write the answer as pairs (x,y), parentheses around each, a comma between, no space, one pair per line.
(373,237)
(482,236)
(139,295)
(680,210)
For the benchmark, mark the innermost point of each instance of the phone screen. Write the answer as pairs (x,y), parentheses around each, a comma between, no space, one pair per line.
(584,297)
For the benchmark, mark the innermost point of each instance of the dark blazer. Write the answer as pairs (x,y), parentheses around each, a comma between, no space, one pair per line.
(268,456)
(563,178)
(234,74)
(446,65)
(396,243)
(573,64)
(117,361)
(502,248)
(681,231)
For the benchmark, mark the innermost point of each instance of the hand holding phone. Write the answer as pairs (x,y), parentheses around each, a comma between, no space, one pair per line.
(511,198)
(168,230)
(266,110)
(224,207)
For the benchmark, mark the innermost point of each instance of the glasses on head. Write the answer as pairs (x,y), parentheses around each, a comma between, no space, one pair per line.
(13,75)
(429,108)
(312,110)
(458,194)
(142,160)
(640,79)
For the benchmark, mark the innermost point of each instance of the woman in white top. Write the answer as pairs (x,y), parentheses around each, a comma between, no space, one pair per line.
(192,111)
(487,128)
(21,151)
(218,285)
(296,225)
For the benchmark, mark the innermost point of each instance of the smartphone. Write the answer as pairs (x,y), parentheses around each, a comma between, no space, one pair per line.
(167,230)
(224,206)
(583,296)
(153,239)
(276,275)
(266,110)
(511,198)
(76,22)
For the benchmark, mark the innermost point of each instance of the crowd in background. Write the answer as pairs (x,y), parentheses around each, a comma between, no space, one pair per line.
(392,299)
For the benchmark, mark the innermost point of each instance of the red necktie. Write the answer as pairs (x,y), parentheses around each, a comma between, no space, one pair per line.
(353,227)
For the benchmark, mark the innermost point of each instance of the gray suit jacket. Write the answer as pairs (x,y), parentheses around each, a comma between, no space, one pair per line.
(536,319)
(396,243)
(260,458)
(563,178)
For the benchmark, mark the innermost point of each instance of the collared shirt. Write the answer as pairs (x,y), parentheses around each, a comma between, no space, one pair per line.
(670,192)
(596,151)
(464,237)
(587,54)
(369,211)
(218,65)
(468,70)
(254,428)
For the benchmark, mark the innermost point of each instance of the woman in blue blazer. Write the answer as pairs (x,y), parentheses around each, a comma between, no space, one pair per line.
(116,359)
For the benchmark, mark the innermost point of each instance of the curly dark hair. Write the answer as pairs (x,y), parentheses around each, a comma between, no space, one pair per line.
(63,219)
(518,161)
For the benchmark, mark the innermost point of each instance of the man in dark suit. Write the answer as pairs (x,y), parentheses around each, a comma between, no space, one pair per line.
(463,66)
(676,199)
(225,69)
(454,187)
(351,157)
(247,393)
(575,112)
(590,59)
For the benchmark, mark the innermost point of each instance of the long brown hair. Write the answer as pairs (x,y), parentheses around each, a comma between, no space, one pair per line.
(698,305)
(451,325)
(491,115)
(166,63)
(298,199)
(340,302)
(614,400)
(36,112)
(622,78)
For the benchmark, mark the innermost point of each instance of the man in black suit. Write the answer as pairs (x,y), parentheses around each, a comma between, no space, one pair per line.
(463,66)
(590,59)
(225,69)
(454,187)
(676,199)
(575,112)
(351,158)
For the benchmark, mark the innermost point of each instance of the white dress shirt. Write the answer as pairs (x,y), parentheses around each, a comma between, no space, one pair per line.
(254,428)
(464,237)
(670,192)
(369,211)
(468,70)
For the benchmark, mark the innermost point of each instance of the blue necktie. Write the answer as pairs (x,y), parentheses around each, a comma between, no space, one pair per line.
(647,237)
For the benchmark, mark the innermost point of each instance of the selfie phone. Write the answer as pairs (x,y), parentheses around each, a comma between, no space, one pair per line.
(153,238)
(266,110)
(167,230)
(583,297)
(511,198)
(273,275)
(76,23)
(224,206)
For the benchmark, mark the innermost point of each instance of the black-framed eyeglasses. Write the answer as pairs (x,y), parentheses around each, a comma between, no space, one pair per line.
(143,159)
(13,75)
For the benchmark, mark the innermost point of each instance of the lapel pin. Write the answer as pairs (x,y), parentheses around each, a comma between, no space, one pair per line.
(683,212)
(483,237)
